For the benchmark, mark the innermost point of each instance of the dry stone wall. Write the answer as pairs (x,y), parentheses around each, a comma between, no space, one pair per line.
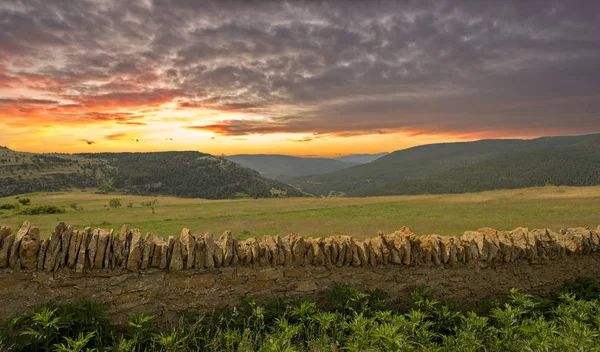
(131,272)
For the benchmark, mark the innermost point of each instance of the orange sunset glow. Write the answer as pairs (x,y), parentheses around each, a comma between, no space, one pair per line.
(310,79)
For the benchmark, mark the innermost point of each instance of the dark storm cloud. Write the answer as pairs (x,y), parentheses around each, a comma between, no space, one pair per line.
(341,68)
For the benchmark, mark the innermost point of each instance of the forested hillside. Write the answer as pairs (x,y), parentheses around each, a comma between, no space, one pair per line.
(189,174)
(468,167)
(30,172)
(182,174)
(283,166)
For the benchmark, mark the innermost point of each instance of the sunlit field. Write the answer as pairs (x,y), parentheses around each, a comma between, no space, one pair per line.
(547,207)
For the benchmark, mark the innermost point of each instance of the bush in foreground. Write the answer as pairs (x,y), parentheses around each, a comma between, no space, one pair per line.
(346,319)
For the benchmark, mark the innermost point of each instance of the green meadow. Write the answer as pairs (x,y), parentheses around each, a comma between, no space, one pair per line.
(545,207)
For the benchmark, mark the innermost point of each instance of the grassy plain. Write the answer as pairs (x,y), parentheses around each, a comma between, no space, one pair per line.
(545,207)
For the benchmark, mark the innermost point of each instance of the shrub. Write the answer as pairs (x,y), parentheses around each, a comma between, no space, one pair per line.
(43,209)
(25,201)
(8,206)
(114,203)
(347,320)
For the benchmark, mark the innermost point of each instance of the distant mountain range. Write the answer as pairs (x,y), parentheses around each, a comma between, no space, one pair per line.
(284,166)
(429,169)
(467,167)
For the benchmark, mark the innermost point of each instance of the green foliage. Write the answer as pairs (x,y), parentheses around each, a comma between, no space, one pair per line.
(189,175)
(468,167)
(114,203)
(8,206)
(24,201)
(345,320)
(43,209)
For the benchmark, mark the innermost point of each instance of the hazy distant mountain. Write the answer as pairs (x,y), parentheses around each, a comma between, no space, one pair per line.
(361,158)
(466,167)
(285,166)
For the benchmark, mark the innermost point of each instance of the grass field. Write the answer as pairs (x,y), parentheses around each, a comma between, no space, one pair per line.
(547,207)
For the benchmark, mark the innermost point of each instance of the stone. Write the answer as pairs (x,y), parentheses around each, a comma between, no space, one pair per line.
(318,256)
(227,243)
(108,253)
(209,246)
(286,248)
(148,252)
(54,247)
(189,249)
(218,255)
(272,246)
(432,246)
(176,263)
(28,251)
(118,246)
(65,240)
(254,250)
(4,232)
(103,237)
(92,249)
(264,258)
(362,252)
(521,246)
(298,251)
(490,236)
(279,243)
(134,256)
(14,250)
(310,253)
(7,243)
(74,245)
(86,238)
(200,252)
(41,255)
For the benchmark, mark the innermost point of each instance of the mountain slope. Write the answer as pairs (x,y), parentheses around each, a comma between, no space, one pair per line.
(190,174)
(360,158)
(466,167)
(29,172)
(278,166)
(182,174)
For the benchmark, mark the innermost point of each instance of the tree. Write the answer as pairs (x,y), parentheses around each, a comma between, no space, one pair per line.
(24,201)
(151,204)
(114,203)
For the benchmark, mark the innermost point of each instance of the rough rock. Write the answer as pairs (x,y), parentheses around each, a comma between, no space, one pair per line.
(86,238)
(74,245)
(7,243)
(92,249)
(227,243)
(148,252)
(14,250)
(209,246)
(54,247)
(134,256)
(176,263)
(103,236)
(41,255)
(28,250)
(189,249)
(298,251)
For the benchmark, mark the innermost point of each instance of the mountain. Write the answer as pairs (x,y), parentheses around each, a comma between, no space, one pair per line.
(467,167)
(181,174)
(361,158)
(29,172)
(283,166)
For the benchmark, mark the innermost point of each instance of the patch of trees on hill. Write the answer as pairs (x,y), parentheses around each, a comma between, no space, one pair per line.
(189,174)
(468,167)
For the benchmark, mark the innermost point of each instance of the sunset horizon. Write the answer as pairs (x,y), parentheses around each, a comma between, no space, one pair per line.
(299,78)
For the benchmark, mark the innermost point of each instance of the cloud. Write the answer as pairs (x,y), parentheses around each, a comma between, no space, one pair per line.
(116,136)
(334,68)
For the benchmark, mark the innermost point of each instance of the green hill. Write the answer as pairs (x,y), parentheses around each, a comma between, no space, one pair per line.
(468,167)
(190,174)
(283,166)
(182,174)
(29,172)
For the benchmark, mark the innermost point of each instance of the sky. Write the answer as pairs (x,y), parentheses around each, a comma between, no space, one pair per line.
(301,78)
